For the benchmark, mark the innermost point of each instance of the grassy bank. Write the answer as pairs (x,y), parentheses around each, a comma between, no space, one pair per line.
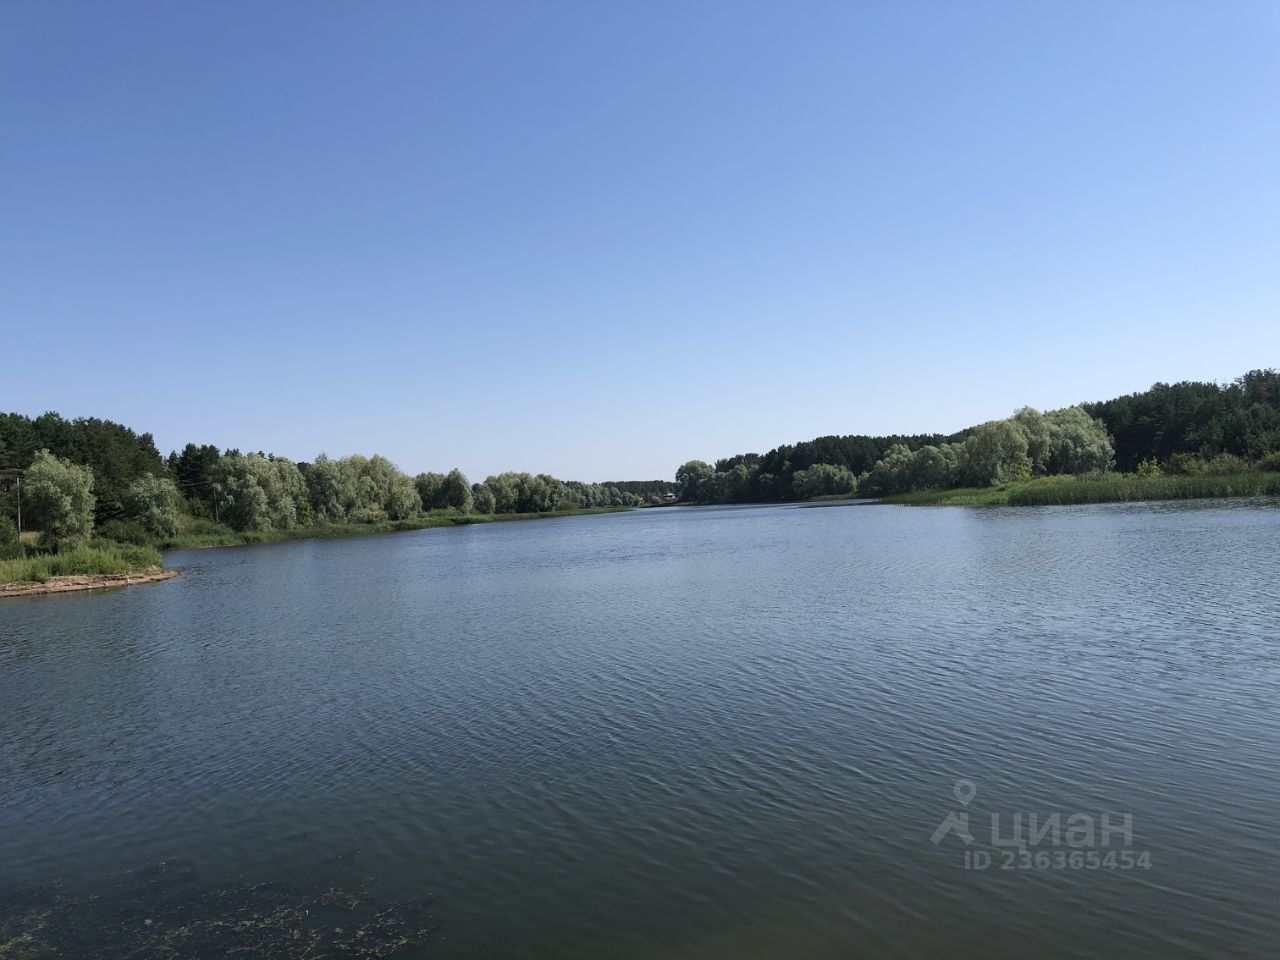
(204,533)
(1118,488)
(98,558)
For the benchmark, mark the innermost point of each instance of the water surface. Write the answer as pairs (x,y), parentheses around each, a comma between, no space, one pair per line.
(721,732)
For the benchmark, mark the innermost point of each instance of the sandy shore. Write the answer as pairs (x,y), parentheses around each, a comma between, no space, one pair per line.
(94,582)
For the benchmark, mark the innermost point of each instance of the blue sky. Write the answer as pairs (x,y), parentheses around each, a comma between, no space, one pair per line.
(599,239)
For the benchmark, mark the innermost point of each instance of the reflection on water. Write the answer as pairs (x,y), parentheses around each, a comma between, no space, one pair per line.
(687,732)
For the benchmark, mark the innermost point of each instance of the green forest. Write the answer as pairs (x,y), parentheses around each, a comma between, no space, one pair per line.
(90,486)
(1184,429)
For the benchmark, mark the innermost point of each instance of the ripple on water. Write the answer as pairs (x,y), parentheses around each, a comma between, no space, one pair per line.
(683,733)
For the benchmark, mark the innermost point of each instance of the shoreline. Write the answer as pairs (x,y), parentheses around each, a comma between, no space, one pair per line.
(430,521)
(1045,492)
(1065,491)
(78,583)
(81,582)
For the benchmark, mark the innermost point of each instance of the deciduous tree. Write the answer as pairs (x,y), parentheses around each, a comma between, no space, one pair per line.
(155,503)
(57,496)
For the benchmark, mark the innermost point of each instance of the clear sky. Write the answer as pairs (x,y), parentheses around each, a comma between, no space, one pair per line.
(599,239)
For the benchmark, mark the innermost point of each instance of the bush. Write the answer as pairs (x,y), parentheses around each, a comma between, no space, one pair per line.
(1184,464)
(125,531)
(367,515)
(1270,463)
(202,525)
(8,532)
(1224,464)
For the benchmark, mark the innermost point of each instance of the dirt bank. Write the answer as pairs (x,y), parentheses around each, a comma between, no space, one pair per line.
(84,582)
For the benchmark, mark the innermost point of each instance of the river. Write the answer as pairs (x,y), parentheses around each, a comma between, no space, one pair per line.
(690,732)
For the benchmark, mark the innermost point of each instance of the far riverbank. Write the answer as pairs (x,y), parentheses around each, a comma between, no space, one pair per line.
(203,533)
(105,563)
(1114,488)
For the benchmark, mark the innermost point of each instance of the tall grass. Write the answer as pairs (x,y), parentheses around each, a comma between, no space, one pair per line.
(99,557)
(1115,488)
(1124,487)
(958,497)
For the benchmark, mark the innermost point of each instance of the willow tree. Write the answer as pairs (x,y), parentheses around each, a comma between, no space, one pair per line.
(155,503)
(995,453)
(482,499)
(430,488)
(57,498)
(457,490)
(823,479)
(1077,442)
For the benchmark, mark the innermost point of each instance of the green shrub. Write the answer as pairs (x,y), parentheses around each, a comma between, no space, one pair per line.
(202,525)
(101,557)
(1184,464)
(125,531)
(1225,464)
(1270,463)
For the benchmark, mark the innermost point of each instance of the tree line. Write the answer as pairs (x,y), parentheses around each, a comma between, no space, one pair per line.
(1178,428)
(86,476)
(1203,420)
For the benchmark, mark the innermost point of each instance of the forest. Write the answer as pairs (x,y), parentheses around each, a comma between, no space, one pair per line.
(91,479)
(1187,428)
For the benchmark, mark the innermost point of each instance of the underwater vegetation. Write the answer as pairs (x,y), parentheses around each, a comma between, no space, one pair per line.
(164,912)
